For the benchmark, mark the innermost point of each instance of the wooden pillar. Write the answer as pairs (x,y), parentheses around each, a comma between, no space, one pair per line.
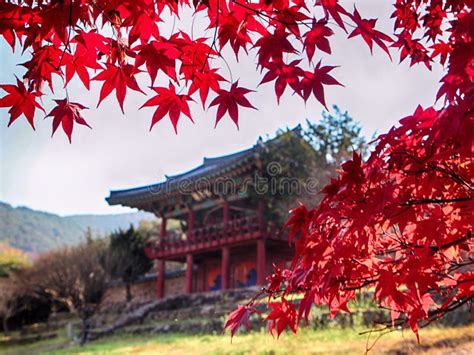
(160,275)
(160,279)
(260,214)
(225,268)
(163,228)
(261,262)
(189,273)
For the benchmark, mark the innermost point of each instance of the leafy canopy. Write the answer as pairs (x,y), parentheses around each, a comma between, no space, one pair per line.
(122,44)
(11,260)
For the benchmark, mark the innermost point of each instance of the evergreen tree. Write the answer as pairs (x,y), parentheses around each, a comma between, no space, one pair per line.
(125,257)
(335,137)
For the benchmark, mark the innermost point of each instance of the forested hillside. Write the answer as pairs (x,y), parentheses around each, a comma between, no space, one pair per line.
(37,231)
(103,224)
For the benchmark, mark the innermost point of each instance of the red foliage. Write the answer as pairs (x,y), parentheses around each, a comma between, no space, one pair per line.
(116,41)
(401,222)
(20,101)
(67,113)
(229,101)
(283,315)
(366,29)
(169,103)
(239,317)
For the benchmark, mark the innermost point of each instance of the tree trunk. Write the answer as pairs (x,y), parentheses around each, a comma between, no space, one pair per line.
(85,331)
(6,331)
(128,290)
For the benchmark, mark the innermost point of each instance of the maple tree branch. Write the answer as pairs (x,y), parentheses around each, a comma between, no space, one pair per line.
(364,284)
(104,14)
(68,41)
(454,242)
(214,40)
(432,166)
(428,201)
(268,17)
(455,177)
(455,266)
(435,315)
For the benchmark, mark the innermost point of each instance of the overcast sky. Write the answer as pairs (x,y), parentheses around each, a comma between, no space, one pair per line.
(119,152)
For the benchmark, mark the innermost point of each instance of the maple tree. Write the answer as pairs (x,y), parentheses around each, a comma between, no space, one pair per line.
(400,222)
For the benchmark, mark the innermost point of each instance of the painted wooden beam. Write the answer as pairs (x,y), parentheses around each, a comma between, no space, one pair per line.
(206,204)
(225,213)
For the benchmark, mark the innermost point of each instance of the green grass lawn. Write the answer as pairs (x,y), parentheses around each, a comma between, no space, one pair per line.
(328,341)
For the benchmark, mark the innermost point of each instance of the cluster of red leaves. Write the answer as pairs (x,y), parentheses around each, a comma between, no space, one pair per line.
(114,42)
(400,223)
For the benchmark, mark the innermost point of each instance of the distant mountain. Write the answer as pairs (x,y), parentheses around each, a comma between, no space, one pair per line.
(36,231)
(103,224)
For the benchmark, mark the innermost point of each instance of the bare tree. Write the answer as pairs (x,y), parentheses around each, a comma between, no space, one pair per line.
(73,277)
(8,302)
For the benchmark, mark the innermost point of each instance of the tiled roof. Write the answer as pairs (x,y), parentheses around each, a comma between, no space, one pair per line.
(209,167)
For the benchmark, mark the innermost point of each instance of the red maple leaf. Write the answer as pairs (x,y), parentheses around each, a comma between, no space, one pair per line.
(316,37)
(290,17)
(94,42)
(412,48)
(229,101)
(208,79)
(20,101)
(442,49)
(13,20)
(144,25)
(239,317)
(117,78)
(233,30)
(273,45)
(313,82)
(158,55)
(194,54)
(298,221)
(331,7)
(43,64)
(285,74)
(67,113)
(366,29)
(275,280)
(283,314)
(169,103)
(78,64)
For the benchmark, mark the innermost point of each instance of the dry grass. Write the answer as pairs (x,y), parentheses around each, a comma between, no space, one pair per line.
(331,341)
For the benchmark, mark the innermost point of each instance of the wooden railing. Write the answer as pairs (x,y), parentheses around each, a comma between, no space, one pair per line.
(215,235)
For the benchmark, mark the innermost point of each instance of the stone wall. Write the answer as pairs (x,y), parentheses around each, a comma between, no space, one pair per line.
(175,286)
(143,291)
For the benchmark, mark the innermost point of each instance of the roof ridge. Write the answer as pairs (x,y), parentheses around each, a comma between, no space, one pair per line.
(208,165)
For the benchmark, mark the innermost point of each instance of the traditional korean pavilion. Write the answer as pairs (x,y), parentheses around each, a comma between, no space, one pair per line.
(225,241)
